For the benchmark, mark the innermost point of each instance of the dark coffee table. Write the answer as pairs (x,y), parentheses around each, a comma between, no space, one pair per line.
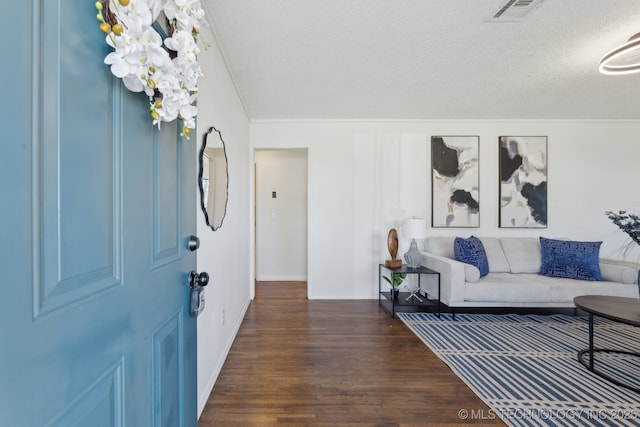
(619,309)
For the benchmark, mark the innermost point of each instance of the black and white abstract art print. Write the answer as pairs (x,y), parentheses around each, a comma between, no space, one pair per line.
(455,181)
(523,182)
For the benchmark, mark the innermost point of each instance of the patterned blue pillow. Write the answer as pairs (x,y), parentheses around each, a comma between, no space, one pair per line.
(471,251)
(570,259)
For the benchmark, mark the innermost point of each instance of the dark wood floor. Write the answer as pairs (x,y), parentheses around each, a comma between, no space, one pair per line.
(311,363)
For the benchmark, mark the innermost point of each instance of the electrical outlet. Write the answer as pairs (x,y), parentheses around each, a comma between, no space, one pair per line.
(222,317)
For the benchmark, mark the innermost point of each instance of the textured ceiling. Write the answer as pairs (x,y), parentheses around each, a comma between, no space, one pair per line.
(425,59)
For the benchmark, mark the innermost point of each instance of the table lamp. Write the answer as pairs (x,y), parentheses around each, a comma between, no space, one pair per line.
(414,228)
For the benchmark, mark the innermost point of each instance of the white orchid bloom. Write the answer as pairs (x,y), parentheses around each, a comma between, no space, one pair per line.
(170,108)
(126,57)
(155,7)
(141,60)
(133,83)
(168,86)
(189,113)
(189,76)
(176,41)
(136,15)
(188,14)
(151,44)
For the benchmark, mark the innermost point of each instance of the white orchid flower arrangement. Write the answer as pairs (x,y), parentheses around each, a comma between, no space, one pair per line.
(166,71)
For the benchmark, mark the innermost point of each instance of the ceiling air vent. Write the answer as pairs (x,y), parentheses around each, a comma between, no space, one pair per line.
(515,10)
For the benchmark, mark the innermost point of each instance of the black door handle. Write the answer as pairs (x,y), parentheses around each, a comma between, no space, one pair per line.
(196,279)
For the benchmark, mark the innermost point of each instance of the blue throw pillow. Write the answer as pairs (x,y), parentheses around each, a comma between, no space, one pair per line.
(570,259)
(471,251)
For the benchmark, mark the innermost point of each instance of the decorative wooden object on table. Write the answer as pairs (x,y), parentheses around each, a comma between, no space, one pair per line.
(392,245)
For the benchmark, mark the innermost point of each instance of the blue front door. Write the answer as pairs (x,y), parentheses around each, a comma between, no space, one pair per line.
(95,209)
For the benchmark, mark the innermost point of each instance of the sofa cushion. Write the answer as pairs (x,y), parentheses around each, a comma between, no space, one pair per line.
(536,290)
(440,245)
(522,253)
(508,288)
(565,290)
(471,251)
(570,259)
(471,273)
(495,255)
(618,273)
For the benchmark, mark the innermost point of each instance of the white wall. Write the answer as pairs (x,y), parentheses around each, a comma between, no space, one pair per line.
(281,222)
(224,254)
(361,172)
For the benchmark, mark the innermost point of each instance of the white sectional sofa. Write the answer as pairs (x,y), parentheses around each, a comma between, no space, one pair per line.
(513,279)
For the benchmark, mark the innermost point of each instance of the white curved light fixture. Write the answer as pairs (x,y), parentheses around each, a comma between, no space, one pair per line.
(624,59)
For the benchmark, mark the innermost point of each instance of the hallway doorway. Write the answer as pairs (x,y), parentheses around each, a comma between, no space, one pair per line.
(281,215)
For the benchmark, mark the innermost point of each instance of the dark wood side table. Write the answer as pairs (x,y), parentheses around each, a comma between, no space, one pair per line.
(619,309)
(389,303)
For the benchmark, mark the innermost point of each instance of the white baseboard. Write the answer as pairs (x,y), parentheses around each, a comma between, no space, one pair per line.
(202,400)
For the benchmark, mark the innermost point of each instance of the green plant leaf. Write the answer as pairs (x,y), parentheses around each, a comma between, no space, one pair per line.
(397,279)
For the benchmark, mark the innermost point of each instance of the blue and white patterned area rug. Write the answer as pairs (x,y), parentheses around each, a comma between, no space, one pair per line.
(525,368)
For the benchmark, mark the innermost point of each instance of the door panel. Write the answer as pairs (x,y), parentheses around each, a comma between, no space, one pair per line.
(167,170)
(102,403)
(168,374)
(94,320)
(76,262)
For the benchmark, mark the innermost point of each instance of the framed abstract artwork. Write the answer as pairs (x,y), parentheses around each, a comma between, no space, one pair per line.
(523,182)
(455,181)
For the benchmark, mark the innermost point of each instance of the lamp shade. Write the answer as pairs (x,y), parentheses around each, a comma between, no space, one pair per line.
(414,228)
